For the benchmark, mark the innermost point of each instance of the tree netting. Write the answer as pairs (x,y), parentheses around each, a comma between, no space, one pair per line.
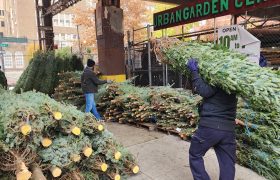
(42,72)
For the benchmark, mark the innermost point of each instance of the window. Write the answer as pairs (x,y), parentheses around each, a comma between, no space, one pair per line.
(74,37)
(56,42)
(61,19)
(61,22)
(67,23)
(2,24)
(67,37)
(8,60)
(67,18)
(19,59)
(2,13)
(62,37)
(63,44)
(72,17)
(55,20)
(56,37)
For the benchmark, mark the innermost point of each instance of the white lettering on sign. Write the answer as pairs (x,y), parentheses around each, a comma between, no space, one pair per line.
(229,37)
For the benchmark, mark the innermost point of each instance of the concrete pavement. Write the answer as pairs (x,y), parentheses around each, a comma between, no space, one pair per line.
(165,157)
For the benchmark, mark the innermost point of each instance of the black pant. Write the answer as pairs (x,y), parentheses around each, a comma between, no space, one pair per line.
(224,145)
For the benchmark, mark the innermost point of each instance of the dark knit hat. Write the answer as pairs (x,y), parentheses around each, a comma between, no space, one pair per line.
(90,63)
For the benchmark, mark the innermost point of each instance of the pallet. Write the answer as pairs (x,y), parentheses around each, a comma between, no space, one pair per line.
(161,129)
(152,127)
(149,126)
(167,131)
(174,132)
(184,137)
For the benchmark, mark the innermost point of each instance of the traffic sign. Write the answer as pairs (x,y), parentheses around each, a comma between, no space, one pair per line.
(4,45)
(13,39)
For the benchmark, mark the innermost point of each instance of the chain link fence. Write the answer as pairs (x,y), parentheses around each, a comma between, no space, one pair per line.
(142,63)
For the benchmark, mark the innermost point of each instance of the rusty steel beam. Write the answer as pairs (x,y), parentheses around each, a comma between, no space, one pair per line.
(178,2)
(59,6)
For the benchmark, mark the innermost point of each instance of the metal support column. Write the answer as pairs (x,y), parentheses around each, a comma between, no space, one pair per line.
(163,75)
(133,60)
(246,22)
(166,74)
(48,32)
(79,40)
(1,53)
(183,32)
(149,55)
(235,19)
(180,74)
(163,66)
(129,64)
(38,13)
(215,30)
(2,58)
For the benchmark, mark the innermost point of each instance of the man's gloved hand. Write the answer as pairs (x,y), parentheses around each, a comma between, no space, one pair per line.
(192,65)
(109,81)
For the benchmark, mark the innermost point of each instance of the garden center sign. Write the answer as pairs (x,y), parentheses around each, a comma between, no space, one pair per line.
(206,9)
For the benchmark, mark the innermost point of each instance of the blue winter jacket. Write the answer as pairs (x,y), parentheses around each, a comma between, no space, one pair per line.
(218,108)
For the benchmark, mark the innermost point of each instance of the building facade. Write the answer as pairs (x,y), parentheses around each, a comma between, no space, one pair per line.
(65,30)
(18,20)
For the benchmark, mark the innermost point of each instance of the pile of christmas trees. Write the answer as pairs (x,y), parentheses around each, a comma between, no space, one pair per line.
(69,89)
(257,137)
(42,72)
(170,109)
(42,138)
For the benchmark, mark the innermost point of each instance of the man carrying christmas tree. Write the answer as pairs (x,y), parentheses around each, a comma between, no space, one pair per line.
(216,128)
(90,84)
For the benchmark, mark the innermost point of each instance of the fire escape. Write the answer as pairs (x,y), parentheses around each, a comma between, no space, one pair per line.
(45,10)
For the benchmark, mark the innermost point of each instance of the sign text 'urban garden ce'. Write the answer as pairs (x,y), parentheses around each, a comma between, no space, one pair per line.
(206,9)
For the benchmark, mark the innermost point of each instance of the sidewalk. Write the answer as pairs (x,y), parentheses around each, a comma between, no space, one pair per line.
(165,157)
